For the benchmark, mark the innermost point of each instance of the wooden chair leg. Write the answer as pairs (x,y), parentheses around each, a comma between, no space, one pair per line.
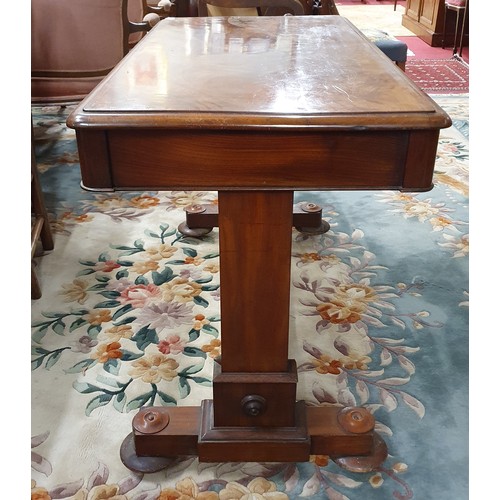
(40,228)
(36,291)
(38,207)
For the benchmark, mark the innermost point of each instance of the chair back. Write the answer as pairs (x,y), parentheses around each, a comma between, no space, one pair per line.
(74,44)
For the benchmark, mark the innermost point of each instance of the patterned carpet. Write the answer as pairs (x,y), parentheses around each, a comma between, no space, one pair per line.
(129,316)
(434,74)
(439,76)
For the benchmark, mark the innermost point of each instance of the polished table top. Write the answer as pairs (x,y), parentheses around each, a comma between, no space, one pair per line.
(218,71)
(282,102)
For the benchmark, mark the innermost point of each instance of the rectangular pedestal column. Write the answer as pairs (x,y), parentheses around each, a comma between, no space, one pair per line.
(255,254)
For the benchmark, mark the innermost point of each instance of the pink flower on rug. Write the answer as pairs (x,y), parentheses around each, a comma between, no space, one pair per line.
(83,344)
(119,285)
(171,345)
(139,295)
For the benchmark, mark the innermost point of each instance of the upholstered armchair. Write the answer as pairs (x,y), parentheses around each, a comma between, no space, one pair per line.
(75,43)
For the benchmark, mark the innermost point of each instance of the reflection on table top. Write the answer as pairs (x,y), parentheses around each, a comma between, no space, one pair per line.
(216,72)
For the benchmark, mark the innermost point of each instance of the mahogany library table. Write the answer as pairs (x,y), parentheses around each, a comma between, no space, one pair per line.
(256,108)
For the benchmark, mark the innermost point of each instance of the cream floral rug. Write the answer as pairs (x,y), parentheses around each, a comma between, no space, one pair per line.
(129,317)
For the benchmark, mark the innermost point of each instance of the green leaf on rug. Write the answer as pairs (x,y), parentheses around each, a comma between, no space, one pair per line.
(140,401)
(194,352)
(101,400)
(81,366)
(167,400)
(144,337)
(165,276)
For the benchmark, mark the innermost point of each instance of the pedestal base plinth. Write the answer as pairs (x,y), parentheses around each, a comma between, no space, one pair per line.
(253,444)
(186,431)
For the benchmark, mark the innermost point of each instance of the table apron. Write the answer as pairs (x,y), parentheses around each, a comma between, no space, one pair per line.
(163,159)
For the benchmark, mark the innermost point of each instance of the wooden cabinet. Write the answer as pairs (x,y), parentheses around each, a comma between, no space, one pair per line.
(425,18)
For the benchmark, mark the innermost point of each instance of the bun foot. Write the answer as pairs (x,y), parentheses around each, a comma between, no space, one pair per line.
(141,464)
(196,232)
(367,463)
(323,228)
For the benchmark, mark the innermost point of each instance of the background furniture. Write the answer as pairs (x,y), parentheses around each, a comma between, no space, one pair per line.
(460,7)
(395,3)
(309,7)
(394,49)
(249,7)
(40,225)
(425,18)
(74,44)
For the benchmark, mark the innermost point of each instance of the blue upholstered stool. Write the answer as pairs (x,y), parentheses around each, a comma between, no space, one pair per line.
(393,48)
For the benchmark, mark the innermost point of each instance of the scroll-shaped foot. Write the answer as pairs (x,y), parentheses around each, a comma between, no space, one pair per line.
(358,421)
(193,232)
